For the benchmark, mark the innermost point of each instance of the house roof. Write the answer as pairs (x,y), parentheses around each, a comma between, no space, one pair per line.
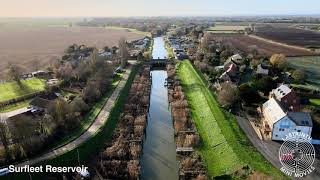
(281,91)
(301,118)
(232,68)
(273,111)
(40,102)
(236,57)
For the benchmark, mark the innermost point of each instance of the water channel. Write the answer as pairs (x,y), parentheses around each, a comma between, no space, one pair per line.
(158,161)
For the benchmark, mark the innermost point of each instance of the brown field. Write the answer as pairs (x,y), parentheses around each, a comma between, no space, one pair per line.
(246,44)
(289,35)
(25,46)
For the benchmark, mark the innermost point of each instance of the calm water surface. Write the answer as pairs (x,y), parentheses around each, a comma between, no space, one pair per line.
(159,151)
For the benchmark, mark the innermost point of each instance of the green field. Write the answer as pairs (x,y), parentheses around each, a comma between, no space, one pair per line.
(130,30)
(11,90)
(225,148)
(226,29)
(310,65)
(315,102)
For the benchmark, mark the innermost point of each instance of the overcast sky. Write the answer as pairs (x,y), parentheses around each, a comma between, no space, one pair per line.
(74,8)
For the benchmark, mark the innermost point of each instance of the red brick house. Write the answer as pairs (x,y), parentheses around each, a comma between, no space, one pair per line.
(287,97)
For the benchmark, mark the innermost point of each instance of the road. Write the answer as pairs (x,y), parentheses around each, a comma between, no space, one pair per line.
(93,129)
(270,149)
(15,112)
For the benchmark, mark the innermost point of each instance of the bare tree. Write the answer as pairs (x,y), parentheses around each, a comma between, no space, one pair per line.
(14,72)
(123,50)
(78,105)
(228,94)
(4,135)
(278,61)
(298,75)
(36,64)
(205,42)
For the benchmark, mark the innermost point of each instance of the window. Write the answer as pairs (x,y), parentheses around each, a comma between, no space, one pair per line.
(299,130)
(284,124)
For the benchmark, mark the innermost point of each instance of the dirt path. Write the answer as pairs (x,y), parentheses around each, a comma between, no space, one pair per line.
(92,130)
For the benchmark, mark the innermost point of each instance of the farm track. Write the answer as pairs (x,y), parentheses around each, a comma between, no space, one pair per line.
(247,44)
(289,35)
(279,43)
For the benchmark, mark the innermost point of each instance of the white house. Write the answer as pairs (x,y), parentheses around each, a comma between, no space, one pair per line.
(261,69)
(277,122)
(236,58)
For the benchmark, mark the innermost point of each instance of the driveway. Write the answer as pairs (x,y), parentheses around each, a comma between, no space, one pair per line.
(15,112)
(92,130)
(269,149)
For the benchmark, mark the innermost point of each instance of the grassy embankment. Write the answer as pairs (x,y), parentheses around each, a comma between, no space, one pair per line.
(225,148)
(93,146)
(315,102)
(12,90)
(169,49)
(148,52)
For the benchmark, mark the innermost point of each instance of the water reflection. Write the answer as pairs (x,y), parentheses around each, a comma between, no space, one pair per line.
(159,151)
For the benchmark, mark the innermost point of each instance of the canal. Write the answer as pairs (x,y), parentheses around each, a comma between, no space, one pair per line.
(159,151)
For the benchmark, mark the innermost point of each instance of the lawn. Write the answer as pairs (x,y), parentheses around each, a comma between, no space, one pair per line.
(315,102)
(225,148)
(310,65)
(11,90)
(307,86)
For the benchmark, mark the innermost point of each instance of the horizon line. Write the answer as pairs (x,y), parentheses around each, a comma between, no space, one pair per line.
(169,16)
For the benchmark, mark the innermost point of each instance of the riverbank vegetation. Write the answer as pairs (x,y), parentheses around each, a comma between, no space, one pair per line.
(224,147)
(169,49)
(186,136)
(120,158)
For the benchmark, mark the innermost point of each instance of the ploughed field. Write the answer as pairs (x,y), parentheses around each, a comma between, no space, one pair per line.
(28,45)
(247,44)
(289,35)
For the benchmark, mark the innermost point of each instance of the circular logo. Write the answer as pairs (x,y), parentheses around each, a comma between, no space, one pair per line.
(297,154)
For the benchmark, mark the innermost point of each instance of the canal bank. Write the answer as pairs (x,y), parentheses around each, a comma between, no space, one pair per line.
(159,151)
